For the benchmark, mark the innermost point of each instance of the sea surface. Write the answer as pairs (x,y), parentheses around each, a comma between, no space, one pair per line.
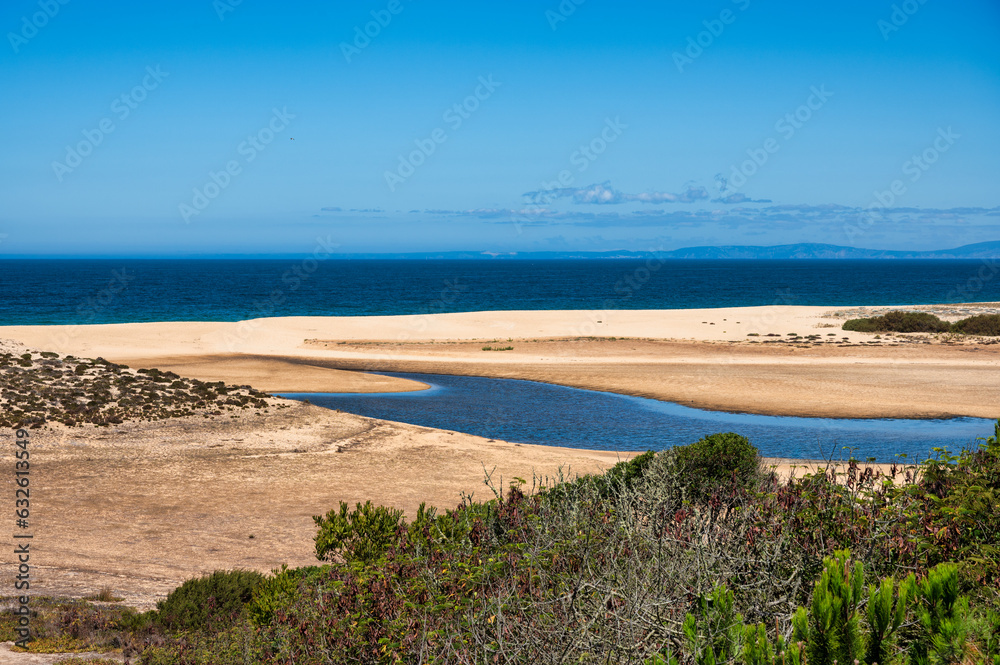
(59,291)
(541,413)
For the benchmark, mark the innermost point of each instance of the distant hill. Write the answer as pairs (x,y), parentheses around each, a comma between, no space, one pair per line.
(981,250)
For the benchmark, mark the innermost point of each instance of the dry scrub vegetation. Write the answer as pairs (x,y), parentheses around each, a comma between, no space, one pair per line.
(40,387)
(694,555)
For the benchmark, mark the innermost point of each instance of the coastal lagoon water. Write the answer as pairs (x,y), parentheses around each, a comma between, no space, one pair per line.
(540,413)
(57,291)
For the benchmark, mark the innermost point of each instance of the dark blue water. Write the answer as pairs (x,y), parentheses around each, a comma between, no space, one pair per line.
(115,291)
(530,412)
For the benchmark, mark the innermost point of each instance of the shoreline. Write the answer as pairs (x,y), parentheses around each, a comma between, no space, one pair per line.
(737,360)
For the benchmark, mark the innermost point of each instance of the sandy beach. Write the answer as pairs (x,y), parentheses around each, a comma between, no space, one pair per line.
(734,359)
(140,506)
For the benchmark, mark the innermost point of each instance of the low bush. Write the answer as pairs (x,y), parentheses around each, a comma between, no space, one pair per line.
(844,565)
(983,324)
(211,601)
(715,462)
(904,322)
(362,535)
(909,322)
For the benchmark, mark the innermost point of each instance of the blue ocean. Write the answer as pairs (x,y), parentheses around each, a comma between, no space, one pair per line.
(58,291)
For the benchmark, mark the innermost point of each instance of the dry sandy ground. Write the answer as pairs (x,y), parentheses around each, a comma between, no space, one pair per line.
(736,359)
(141,507)
(9,657)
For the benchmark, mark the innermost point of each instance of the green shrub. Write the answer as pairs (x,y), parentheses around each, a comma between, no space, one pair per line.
(712,634)
(953,515)
(363,534)
(984,324)
(716,461)
(908,322)
(209,601)
(831,628)
(886,616)
(613,569)
(944,617)
(904,322)
(622,475)
(281,588)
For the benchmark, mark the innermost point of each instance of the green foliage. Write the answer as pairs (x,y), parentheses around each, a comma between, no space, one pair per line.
(992,444)
(276,591)
(951,514)
(885,615)
(924,322)
(833,634)
(614,568)
(830,631)
(944,616)
(717,461)
(896,321)
(210,601)
(713,635)
(989,628)
(757,649)
(363,534)
(621,477)
(981,324)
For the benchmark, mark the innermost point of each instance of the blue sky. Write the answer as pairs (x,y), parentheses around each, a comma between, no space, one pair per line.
(201,127)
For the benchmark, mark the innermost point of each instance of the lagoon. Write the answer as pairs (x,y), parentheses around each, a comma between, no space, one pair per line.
(546,414)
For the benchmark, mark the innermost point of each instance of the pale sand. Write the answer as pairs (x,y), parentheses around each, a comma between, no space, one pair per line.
(702,358)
